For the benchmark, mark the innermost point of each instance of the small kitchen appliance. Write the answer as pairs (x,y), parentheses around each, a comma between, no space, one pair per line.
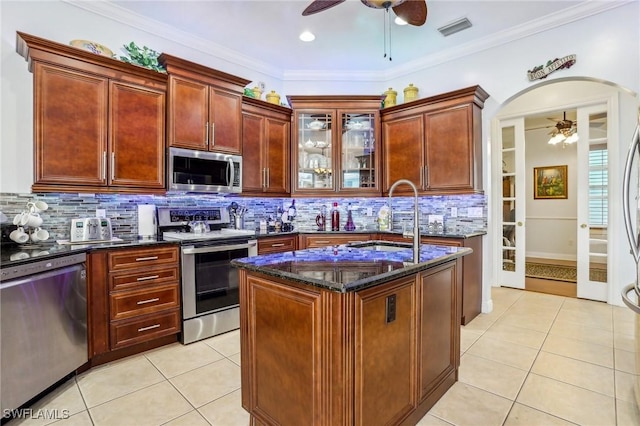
(209,284)
(147,224)
(91,229)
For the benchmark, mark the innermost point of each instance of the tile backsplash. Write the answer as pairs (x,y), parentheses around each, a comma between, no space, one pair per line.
(122,210)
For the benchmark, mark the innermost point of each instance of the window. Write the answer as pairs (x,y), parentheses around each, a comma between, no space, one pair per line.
(598,185)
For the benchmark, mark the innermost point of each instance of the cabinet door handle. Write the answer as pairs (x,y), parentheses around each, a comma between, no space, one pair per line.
(113,166)
(147,278)
(277,245)
(426,176)
(151,327)
(268,177)
(142,302)
(206,133)
(213,134)
(104,165)
(264,178)
(142,259)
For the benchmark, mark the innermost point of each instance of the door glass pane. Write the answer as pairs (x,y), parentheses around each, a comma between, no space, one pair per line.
(508,199)
(314,151)
(357,156)
(598,197)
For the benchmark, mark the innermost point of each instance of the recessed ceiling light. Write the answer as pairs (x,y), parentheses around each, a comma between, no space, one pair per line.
(307,36)
(400,21)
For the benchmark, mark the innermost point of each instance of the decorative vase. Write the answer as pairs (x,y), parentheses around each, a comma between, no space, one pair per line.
(410,93)
(390,97)
(273,97)
(257,92)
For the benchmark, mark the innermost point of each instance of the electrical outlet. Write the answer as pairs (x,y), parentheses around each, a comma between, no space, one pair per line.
(369,211)
(101,213)
(454,212)
(261,85)
(474,212)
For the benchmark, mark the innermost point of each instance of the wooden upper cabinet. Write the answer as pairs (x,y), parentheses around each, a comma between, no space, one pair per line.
(205,107)
(266,132)
(99,123)
(435,142)
(136,136)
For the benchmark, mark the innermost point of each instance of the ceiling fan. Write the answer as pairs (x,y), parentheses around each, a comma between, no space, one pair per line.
(414,12)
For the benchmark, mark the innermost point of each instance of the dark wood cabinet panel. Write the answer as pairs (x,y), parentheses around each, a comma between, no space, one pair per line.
(265,148)
(324,240)
(189,113)
(205,107)
(277,244)
(138,330)
(436,143)
(136,136)
(70,126)
(99,123)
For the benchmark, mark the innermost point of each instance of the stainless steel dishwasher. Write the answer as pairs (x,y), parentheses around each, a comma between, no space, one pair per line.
(43,317)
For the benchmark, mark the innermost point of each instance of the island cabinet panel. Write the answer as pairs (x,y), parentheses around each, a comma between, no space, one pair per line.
(285,361)
(99,123)
(435,142)
(266,134)
(385,353)
(439,351)
(382,355)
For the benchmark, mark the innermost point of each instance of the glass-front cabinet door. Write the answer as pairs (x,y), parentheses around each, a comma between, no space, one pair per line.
(315,169)
(358,151)
(336,144)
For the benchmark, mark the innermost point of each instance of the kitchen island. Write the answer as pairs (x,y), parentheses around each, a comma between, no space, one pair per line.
(349,335)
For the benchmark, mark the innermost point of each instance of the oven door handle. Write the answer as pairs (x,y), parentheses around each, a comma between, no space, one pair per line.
(214,249)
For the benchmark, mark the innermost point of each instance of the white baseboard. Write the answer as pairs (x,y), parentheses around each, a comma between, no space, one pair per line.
(557,256)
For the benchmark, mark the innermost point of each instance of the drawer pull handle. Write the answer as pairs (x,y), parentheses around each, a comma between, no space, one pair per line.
(150,277)
(142,259)
(142,302)
(322,242)
(151,327)
(277,245)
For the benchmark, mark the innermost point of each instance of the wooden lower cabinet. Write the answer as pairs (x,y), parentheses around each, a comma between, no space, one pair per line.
(323,240)
(315,357)
(134,300)
(277,244)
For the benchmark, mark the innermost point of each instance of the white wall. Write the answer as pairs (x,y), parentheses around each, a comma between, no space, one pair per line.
(550,223)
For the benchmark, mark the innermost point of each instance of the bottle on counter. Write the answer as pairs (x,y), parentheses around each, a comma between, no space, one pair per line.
(335,218)
(350,226)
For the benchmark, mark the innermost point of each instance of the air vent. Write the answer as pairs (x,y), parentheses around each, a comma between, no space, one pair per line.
(454,27)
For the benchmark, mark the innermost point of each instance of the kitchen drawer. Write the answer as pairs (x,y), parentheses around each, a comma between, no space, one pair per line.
(126,304)
(142,258)
(141,329)
(143,277)
(311,241)
(276,244)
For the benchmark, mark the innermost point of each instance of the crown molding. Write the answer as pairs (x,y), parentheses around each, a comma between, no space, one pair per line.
(582,10)
(124,16)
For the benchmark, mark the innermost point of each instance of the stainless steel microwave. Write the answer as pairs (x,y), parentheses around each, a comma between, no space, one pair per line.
(202,171)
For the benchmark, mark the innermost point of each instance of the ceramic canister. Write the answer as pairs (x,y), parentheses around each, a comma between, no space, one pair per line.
(390,97)
(257,92)
(273,97)
(410,93)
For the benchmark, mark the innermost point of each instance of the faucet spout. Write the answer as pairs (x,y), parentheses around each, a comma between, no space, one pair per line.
(416,215)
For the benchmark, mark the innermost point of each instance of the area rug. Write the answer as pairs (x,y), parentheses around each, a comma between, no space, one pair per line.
(557,272)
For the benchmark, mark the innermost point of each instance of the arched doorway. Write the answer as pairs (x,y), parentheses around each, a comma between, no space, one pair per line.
(513,185)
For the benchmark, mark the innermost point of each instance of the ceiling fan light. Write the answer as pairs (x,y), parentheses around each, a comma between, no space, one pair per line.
(307,36)
(400,21)
(572,139)
(557,139)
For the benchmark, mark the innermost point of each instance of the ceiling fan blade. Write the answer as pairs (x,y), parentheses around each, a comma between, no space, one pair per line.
(414,12)
(319,6)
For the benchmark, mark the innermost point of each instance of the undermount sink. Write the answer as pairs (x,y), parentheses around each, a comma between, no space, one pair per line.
(381,246)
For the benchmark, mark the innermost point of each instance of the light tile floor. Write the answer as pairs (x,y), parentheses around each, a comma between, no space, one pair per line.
(537,359)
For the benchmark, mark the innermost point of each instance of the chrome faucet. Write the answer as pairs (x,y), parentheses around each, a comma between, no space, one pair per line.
(416,214)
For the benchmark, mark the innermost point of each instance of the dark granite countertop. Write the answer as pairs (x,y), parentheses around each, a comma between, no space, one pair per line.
(364,231)
(12,255)
(345,268)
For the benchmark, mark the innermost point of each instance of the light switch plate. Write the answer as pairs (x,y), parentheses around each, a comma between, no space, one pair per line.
(474,212)
(454,212)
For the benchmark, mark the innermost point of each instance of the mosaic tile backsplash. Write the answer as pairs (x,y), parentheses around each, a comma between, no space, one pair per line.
(122,210)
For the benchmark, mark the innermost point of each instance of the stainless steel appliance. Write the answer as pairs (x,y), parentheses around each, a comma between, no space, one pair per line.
(202,171)
(631,293)
(210,299)
(147,224)
(43,322)
(91,229)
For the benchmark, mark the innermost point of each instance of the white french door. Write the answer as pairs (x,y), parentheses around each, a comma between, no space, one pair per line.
(593,202)
(512,215)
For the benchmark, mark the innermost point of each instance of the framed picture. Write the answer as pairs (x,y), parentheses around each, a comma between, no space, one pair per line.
(550,182)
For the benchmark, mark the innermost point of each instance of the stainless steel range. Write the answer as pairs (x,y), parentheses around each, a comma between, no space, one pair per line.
(210,299)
